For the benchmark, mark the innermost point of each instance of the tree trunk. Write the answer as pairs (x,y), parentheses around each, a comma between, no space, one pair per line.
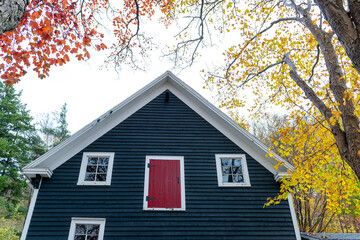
(11,13)
(346,134)
(345,24)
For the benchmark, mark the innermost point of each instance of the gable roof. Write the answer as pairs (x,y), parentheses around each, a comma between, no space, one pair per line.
(45,164)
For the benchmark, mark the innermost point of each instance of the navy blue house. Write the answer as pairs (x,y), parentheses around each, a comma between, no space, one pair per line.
(163,164)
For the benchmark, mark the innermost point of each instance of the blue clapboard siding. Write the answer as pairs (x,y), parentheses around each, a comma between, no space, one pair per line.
(163,128)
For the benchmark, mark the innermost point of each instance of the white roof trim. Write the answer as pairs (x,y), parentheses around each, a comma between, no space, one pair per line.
(88,134)
(32,172)
(280,175)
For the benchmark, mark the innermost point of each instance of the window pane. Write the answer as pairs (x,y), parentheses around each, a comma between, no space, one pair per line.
(238,178)
(236,162)
(92,160)
(101,177)
(236,170)
(93,229)
(226,170)
(227,178)
(225,162)
(80,229)
(89,177)
(83,237)
(104,161)
(91,169)
(102,169)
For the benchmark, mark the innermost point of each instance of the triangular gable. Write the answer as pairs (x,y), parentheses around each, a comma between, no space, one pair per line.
(48,162)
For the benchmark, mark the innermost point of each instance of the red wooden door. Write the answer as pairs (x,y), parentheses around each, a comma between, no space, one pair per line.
(164,184)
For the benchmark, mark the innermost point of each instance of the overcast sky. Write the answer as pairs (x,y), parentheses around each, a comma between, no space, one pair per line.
(89,91)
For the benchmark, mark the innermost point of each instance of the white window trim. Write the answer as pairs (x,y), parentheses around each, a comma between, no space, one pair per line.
(95,221)
(246,182)
(81,180)
(182,179)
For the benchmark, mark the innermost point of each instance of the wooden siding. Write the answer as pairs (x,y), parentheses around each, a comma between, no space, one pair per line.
(171,129)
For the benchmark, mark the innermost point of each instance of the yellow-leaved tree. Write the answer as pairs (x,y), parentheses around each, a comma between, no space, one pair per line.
(304,57)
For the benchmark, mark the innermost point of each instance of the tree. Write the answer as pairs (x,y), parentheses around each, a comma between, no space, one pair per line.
(50,31)
(300,54)
(325,190)
(61,131)
(53,128)
(289,56)
(344,19)
(54,29)
(11,13)
(16,135)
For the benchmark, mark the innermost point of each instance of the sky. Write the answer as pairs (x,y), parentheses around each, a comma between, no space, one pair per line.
(90,91)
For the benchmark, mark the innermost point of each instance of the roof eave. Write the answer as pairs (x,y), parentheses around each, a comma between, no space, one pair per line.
(67,149)
(32,172)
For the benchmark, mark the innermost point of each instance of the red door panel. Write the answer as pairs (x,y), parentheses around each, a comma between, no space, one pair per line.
(164,184)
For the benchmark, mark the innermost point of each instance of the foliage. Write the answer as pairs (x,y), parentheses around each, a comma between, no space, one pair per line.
(9,234)
(289,57)
(52,31)
(61,131)
(325,189)
(19,144)
(321,181)
(16,138)
(53,128)
(293,54)
(11,220)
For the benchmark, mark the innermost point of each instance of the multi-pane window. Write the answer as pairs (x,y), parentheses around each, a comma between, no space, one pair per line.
(232,170)
(96,169)
(87,229)
(87,232)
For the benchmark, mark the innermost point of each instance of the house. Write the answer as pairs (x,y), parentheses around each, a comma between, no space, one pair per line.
(163,164)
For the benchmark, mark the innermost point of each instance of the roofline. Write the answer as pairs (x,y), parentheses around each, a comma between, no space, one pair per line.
(230,121)
(120,112)
(93,123)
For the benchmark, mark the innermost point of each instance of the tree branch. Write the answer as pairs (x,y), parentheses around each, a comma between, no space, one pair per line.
(346,25)
(257,35)
(316,62)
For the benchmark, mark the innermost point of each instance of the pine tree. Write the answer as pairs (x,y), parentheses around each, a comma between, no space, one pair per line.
(17,135)
(61,131)
(53,128)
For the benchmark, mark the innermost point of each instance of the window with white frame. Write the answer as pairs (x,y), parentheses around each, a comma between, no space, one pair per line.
(87,229)
(96,168)
(232,170)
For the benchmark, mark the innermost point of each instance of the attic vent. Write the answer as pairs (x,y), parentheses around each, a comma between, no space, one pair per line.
(167,97)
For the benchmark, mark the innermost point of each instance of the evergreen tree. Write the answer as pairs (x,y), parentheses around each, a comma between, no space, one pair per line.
(61,131)
(17,135)
(53,128)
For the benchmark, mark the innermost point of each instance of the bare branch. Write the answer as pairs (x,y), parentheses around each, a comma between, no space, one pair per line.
(316,62)
(257,35)
(253,75)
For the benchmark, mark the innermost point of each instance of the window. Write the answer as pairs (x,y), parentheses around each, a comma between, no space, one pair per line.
(87,229)
(164,187)
(232,170)
(96,168)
